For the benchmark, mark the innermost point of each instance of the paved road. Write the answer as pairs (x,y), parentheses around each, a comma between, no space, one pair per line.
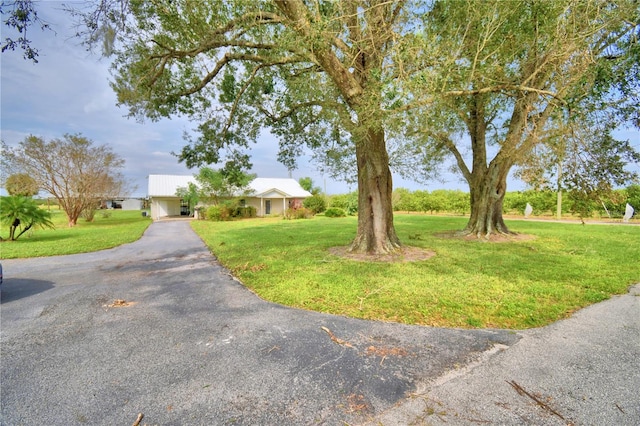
(195,347)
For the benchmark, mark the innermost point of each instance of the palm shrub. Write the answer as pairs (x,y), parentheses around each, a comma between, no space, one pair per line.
(21,214)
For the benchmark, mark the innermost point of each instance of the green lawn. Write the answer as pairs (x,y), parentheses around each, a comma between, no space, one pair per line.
(110,228)
(467,284)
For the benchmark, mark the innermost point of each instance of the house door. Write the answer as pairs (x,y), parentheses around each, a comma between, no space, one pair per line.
(267,207)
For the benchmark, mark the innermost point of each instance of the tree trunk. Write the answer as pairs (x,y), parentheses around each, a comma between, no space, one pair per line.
(487,191)
(376,233)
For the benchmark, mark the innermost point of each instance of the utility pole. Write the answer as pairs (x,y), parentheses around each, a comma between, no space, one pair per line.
(559,201)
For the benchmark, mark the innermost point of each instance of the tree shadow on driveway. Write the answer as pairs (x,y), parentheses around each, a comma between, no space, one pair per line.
(18,288)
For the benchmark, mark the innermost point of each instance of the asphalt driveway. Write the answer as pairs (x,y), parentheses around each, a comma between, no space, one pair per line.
(158,327)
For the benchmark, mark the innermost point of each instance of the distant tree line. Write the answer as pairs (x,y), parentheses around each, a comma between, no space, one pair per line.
(543,202)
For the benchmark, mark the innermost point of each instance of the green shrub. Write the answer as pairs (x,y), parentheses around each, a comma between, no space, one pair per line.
(347,202)
(218,213)
(301,213)
(317,203)
(335,212)
(244,211)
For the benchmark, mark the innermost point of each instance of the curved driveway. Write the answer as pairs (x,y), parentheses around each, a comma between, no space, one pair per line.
(195,347)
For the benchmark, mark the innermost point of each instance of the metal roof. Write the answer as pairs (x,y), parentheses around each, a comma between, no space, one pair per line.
(288,187)
(167,185)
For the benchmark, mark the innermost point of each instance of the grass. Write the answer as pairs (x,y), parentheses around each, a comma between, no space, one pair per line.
(468,284)
(109,229)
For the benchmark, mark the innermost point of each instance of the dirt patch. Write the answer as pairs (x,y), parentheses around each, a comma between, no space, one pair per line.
(493,238)
(404,254)
(120,303)
(383,351)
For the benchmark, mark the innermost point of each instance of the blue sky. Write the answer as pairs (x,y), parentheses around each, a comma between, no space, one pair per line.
(68,92)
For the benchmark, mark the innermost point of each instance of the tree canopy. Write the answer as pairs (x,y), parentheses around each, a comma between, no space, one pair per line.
(216,185)
(21,15)
(375,83)
(72,169)
(21,184)
(515,70)
(311,72)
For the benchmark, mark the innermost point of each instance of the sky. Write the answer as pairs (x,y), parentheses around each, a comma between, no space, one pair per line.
(68,91)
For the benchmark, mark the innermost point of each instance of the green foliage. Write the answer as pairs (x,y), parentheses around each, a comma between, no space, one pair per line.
(121,227)
(347,202)
(335,212)
(299,213)
(21,184)
(504,67)
(191,194)
(440,200)
(244,212)
(595,164)
(218,213)
(540,201)
(20,16)
(217,185)
(229,210)
(317,203)
(307,184)
(21,214)
(403,200)
(89,212)
(75,171)
(633,196)
(512,284)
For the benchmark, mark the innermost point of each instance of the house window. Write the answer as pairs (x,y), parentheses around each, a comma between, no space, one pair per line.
(243,203)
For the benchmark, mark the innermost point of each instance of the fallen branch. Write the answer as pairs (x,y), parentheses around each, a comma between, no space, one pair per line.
(336,339)
(538,401)
(138,420)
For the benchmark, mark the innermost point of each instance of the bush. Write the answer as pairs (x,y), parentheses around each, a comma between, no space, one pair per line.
(347,202)
(335,212)
(301,213)
(218,213)
(228,210)
(244,211)
(317,204)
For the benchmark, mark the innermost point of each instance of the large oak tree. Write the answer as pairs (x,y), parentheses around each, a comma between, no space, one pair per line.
(514,68)
(299,67)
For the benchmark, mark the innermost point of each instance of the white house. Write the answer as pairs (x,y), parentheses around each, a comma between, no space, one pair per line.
(268,195)
(275,196)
